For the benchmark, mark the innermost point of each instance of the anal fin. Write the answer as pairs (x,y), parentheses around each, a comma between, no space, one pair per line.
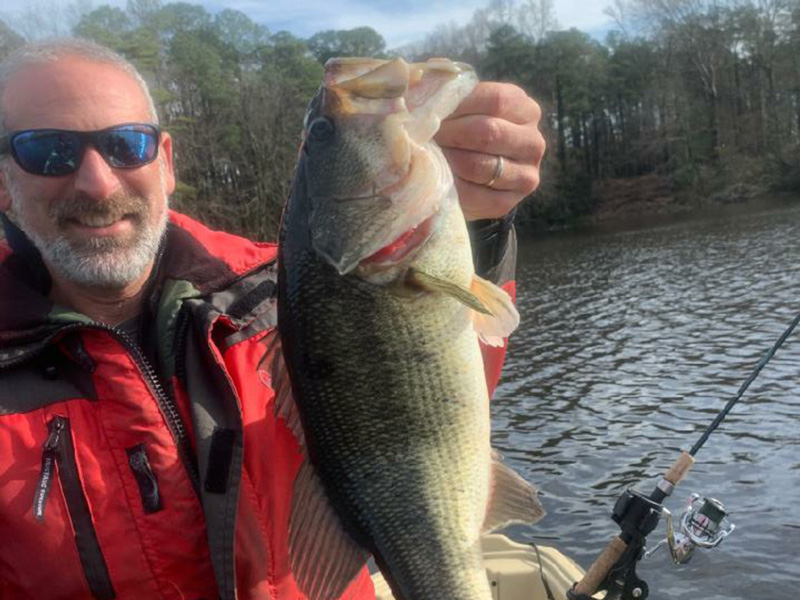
(511,499)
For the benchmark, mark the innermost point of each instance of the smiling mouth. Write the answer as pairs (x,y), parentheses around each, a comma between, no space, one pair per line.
(98,220)
(101,225)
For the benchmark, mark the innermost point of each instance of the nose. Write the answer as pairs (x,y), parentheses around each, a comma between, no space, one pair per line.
(95,178)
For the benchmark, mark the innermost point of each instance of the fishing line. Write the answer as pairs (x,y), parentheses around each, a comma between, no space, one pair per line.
(704,523)
(724,413)
(546,585)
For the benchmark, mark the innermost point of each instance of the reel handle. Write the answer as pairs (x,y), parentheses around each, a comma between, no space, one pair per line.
(616,547)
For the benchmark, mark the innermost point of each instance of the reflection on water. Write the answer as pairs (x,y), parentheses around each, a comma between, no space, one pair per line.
(630,343)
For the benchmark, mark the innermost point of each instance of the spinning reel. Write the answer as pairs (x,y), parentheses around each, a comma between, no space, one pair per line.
(704,523)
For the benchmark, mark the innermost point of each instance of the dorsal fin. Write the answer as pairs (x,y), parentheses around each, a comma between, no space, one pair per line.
(323,557)
(272,371)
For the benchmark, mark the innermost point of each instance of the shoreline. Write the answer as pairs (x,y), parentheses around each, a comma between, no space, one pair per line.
(650,200)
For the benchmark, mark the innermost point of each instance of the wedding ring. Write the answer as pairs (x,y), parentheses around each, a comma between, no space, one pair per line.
(498,171)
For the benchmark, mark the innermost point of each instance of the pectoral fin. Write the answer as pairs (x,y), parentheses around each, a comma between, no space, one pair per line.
(501,317)
(323,557)
(511,499)
(442,286)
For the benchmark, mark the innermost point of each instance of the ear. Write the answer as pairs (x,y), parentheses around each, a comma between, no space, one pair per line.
(166,155)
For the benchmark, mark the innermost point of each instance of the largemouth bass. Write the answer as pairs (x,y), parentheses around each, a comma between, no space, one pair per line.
(380,314)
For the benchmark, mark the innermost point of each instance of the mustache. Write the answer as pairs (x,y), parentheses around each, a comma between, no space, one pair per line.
(114,207)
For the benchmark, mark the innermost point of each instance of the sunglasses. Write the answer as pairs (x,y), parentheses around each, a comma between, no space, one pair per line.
(57,152)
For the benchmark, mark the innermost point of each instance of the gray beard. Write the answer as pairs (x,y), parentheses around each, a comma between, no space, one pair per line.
(100,264)
(97,262)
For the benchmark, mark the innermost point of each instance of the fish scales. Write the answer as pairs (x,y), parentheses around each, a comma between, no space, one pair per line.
(387,377)
(393,421)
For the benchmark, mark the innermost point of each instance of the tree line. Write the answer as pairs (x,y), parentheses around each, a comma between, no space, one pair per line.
(702,93)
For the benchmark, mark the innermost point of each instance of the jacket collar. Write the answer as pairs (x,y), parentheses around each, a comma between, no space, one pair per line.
(208,260)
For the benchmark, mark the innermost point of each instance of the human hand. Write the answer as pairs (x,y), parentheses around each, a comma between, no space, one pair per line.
(496,120)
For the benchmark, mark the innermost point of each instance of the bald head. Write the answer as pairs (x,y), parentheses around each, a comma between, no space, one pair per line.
(72,93)
(35,57)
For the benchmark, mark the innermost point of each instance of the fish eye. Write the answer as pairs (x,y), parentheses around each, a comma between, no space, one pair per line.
(321,129)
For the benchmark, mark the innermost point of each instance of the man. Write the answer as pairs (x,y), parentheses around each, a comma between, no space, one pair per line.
(139,453)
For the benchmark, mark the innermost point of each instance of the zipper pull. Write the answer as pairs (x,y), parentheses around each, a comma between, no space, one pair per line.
(145,478)
(56,427)
(49,453)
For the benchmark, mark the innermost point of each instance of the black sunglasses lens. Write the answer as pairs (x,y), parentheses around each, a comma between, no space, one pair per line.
(129,146)
(47,152)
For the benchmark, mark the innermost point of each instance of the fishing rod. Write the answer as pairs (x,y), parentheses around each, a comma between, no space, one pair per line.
(703,524)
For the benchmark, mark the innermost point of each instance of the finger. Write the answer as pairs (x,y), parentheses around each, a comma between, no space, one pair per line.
(480,168)
(502,100)
(480,202)
(491,135)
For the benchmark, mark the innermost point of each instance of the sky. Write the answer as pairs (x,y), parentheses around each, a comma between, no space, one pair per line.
(399,21)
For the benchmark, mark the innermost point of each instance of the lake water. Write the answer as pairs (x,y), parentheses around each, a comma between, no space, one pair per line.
(632,339)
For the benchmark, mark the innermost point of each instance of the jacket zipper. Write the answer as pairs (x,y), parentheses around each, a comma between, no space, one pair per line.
(167,405)
(49,452)
(145,479)
(59,449)
(165,401)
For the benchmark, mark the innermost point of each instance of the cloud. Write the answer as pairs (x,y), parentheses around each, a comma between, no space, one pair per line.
(400,22)
(583,15)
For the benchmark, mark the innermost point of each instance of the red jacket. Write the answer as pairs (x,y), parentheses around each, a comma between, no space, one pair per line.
(150,470)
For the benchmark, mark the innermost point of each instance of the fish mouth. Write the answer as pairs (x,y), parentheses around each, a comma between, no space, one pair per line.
(401,248)
(341,226)
(374,207)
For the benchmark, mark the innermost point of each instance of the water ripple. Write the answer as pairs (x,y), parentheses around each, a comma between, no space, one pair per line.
(630,343)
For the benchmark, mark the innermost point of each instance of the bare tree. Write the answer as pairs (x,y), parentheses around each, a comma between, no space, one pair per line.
(48,18)
(535,18)
(695,26)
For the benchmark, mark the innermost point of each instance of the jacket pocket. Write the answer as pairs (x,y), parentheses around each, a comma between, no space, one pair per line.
(58,449)
(145,479)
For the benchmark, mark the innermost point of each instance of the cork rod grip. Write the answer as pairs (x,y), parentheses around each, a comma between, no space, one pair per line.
(597,572)
(679,468)
(616,547)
